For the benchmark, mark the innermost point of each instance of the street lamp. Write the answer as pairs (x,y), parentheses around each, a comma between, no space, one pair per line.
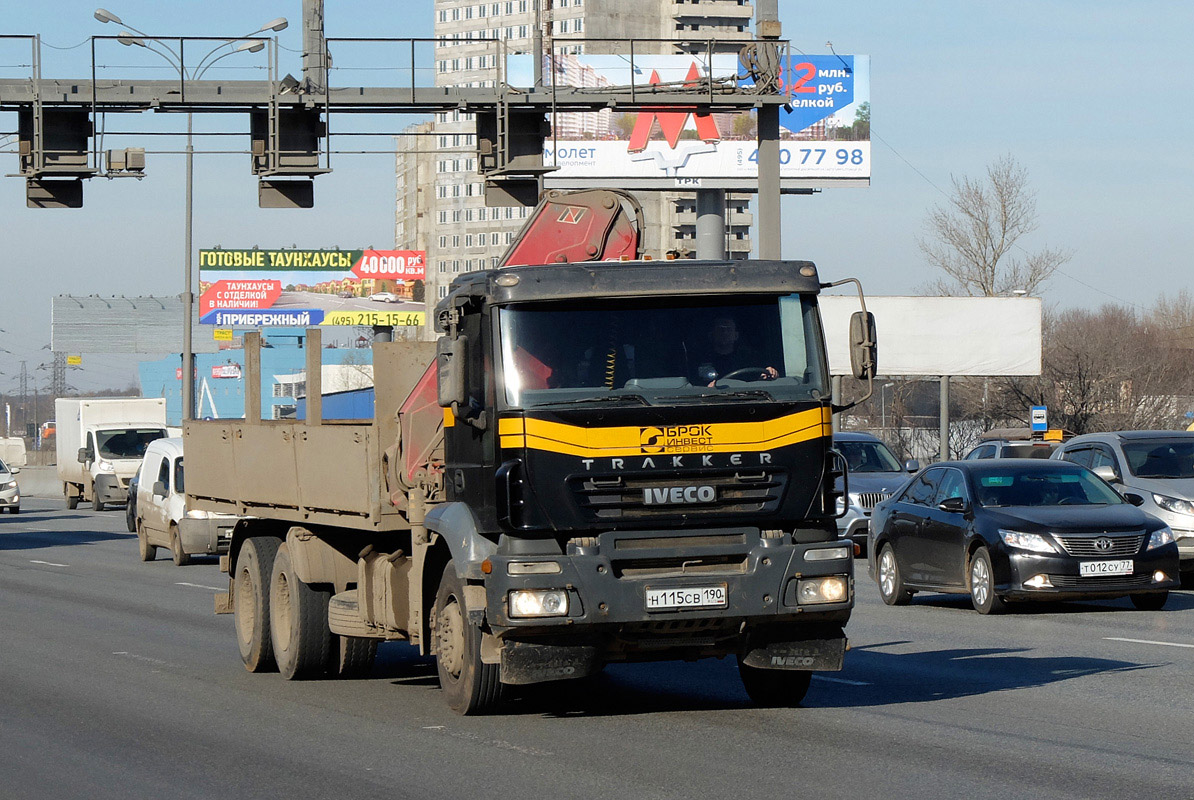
(175,60)
(883,405)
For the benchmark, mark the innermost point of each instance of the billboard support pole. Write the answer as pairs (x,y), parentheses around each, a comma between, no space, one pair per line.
(313,350)
(944,453)
(188,299)
(769,189)
(711,224)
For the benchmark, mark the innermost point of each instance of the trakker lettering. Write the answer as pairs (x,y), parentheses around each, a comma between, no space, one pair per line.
(672,462)
(675,495)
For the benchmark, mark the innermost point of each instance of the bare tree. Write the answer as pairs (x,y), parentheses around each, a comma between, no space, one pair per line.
(973,237)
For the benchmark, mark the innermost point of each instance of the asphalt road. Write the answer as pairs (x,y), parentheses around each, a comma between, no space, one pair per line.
(116,680)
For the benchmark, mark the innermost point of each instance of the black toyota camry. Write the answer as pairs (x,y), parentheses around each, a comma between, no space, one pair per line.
(1019,529)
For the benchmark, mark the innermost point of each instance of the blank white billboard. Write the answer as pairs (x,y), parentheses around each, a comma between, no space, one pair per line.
(933,336)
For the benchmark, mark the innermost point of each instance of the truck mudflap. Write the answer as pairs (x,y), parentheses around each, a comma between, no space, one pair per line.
(534,662)
(825,653)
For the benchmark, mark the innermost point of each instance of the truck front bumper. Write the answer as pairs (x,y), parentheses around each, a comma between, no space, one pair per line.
(111,488)
(211,536)
(756,611)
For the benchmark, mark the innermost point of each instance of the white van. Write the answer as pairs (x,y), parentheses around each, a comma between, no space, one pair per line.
(162,518)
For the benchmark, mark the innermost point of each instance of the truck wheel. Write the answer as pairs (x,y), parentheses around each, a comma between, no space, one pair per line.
(356,656)
(774,688)
(72,502)
(250,602)
(470,687)
(148,552)
(298,618)
(181,559)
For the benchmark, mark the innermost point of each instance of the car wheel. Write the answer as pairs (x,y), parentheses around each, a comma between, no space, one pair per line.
(1153,601)
(891,584)
(96,505)
(72,502)
(148,552)
(14,510)
(982,584)
(181,559)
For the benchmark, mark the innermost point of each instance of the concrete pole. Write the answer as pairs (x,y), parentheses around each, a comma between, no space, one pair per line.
(383,333)
(767,26)
(253,376)
(944,418)
(314,47)
(314,375)
(711,224)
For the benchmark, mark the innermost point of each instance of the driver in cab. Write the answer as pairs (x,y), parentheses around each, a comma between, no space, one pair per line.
(726,356)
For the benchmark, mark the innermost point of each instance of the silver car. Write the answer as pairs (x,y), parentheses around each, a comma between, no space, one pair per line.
(10,493)
(1157,465)
(873,475)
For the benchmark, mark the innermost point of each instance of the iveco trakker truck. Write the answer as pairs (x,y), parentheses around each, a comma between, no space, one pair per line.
(579,477)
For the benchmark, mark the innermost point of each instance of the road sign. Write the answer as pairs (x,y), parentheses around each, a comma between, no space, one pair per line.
(74,361)
(221,334)
(1039,417)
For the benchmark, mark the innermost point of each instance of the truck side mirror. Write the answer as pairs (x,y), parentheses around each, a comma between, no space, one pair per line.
(863,347)
(159,489)
(451,356)
(83,459)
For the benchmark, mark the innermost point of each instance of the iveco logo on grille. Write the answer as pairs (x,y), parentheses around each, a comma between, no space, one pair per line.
(678,495)
(1103,543)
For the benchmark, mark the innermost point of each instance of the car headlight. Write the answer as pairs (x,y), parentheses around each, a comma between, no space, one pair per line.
(198,514)
(830,589)
(9,485)
(104,466)
(1027,541)
(840,505)
(539,603)
(1160,538)
(1174,504)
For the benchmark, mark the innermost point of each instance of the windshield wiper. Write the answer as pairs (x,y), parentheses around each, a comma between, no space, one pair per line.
(756,394)
(608,398)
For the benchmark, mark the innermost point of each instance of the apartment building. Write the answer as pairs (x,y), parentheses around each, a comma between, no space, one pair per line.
(441,206)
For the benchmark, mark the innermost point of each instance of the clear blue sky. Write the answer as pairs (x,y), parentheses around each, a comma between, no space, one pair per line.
(1093,97)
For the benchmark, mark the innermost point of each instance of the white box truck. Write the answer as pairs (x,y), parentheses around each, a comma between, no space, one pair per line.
(100,445)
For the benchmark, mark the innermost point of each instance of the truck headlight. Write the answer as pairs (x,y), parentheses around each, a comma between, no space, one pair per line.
(198,514)
(831,589)
(1173,504)
(1160,538)
(538,603)
(104,466)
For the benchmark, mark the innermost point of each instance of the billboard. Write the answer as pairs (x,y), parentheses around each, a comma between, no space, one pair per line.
(935,336)
(824,129)
(119,324)
(298,288)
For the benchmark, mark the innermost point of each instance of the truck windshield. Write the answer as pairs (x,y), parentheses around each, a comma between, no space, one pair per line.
(126,442)
(688,351)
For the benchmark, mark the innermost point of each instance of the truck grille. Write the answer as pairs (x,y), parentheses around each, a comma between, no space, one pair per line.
(625,497)
(869,500)
(1085,545)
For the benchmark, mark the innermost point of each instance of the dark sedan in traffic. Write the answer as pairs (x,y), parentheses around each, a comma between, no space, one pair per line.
(1019,529)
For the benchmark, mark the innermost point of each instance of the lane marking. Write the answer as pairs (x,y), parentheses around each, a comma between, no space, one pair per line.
(198,586)
(49,563)
(840,680)
(1146,641)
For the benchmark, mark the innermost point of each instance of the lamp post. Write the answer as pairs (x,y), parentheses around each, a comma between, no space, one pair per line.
(175,60)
